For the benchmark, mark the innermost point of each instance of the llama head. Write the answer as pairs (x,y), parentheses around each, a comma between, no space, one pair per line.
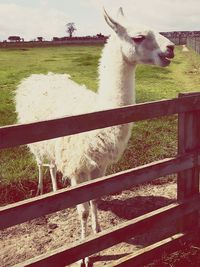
(140,46)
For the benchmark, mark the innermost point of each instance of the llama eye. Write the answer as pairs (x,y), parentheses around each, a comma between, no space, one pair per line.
(138,38)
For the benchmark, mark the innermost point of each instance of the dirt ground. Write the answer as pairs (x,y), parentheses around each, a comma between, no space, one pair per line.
(38,236)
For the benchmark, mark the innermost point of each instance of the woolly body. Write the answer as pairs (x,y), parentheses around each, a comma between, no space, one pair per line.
(43,97)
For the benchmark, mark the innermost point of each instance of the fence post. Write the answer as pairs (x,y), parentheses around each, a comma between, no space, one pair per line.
(188,140)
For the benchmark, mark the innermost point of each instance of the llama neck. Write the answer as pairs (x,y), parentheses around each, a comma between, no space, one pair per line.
(116,77)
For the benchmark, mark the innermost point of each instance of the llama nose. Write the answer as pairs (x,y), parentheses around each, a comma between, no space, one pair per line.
(170,51)
(170,47)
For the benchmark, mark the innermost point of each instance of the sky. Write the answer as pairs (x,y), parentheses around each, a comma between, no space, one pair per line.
(30,19)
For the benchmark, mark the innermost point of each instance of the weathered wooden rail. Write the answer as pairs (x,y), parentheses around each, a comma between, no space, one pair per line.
(186,164)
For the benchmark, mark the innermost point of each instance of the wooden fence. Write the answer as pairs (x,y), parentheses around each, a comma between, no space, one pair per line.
(30,44)
(194,43)
(178,40)
(186,164)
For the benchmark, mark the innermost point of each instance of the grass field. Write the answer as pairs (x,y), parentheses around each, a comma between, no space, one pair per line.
(151,140)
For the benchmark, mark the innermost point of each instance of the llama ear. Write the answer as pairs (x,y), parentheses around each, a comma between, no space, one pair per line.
(116,26)
(120,13)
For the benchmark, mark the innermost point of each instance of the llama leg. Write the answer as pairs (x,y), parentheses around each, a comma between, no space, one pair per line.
(95,224)
(83,212)
(40,180)
(97,172)
(53,177)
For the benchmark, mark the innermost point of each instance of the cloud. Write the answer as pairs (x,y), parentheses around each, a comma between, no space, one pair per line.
(162,15)
(48,18)
(31,22)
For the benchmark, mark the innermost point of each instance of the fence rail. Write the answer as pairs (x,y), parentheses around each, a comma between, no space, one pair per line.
(161,217)
(194,43)
(32,208)
(12,135)
(145,255)
(186,164)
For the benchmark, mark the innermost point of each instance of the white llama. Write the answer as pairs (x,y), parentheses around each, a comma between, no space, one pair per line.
(87,155)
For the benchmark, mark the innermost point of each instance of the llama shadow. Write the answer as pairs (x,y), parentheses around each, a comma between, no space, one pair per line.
(129,209)
(107,258)
(133,207)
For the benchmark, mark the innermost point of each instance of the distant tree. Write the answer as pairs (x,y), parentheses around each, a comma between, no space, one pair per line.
(55,39)
(70,28)
(40,39)
(99,35)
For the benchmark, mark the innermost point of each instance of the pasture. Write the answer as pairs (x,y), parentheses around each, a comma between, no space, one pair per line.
(150,140)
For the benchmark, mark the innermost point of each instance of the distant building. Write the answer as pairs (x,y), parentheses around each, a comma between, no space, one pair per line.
(14,38)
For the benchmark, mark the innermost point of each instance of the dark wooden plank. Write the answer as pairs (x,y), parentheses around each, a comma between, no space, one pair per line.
(67,255)
(29,209)
(28,133)
(188,180)
(188,140)
(154,251)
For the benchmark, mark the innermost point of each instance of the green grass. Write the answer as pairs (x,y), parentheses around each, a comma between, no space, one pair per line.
(80,62)
(151,140)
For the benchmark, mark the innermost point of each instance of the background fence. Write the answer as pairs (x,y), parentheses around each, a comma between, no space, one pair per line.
(178,38)
(94,41)
(194,43)
(183,214)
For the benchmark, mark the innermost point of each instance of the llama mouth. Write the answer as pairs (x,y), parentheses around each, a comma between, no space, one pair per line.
(166,57)
(166,60)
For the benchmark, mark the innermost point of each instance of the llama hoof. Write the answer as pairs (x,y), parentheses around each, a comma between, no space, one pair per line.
(97,229)
(39,192)
(85,262)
